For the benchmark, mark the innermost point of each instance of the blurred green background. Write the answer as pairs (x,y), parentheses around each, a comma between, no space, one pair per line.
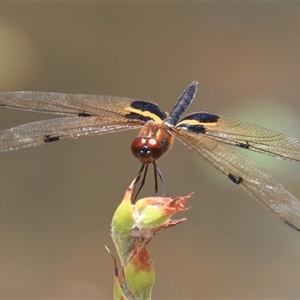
(57,200)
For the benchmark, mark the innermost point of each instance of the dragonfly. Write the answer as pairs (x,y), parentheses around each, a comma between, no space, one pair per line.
(207,135)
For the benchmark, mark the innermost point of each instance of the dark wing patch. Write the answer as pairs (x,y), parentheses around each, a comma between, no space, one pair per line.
(197,122)
(144,106)
(84,114)
(235,179)
(201,117)
(49,138)
(145,111)
(191,127)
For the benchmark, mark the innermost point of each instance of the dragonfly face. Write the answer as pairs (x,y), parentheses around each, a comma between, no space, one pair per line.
(204,133)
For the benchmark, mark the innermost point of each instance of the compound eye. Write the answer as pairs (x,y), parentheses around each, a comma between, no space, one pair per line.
(146,150)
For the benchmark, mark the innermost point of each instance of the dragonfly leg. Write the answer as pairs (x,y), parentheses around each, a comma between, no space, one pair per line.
(163,183)
(144,170)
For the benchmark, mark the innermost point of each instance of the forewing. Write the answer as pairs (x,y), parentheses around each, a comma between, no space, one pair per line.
(248,174)
(42,132)
(67,104)
(245,135)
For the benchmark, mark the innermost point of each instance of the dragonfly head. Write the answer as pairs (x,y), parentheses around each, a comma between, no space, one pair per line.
(147,150)
(153,141)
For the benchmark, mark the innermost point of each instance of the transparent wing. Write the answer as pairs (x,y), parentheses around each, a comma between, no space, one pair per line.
(41,132)
(246,135)
(256,138)
(250,176)
(66,104)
